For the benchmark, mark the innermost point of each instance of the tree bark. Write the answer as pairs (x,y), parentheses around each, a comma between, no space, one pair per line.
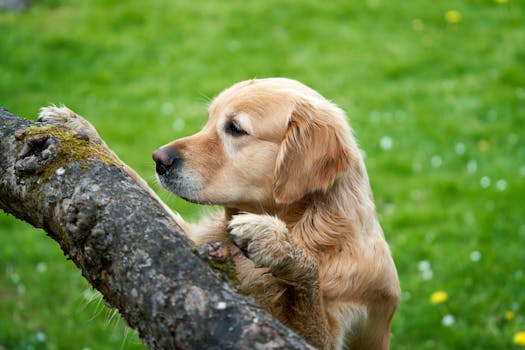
(125,243)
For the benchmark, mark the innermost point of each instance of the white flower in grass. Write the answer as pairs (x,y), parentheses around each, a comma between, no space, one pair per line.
(460,148)
(485,182)
(15,278)
(436,161)
(21,289)
(167,108)
(89,295)
(475,256)
(423,265)
(472,166)
(426,270)
(428,275)
(501,185)
(179,124)
(448,320)
(40,337)
(386,143)
(41,267)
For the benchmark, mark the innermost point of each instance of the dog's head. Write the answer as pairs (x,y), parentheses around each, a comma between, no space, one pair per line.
(267,142)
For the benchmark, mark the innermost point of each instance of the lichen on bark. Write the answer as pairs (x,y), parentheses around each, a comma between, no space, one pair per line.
(72,147)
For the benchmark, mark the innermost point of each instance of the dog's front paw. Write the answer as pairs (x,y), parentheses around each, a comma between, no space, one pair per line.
(262,238)
(65,116)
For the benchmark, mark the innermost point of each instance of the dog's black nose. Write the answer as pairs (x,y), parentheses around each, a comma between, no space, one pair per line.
(165,158)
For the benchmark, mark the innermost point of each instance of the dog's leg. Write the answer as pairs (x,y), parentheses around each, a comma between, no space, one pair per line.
(210,228)
(264,240)
(65,116)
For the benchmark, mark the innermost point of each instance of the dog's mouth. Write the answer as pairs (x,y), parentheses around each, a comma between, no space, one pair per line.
(192,200)
(181,182)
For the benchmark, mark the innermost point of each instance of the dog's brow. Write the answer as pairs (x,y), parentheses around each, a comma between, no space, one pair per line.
(231,114)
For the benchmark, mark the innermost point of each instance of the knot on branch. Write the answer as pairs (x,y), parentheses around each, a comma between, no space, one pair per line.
(83,223)
(81,217)
(37,152)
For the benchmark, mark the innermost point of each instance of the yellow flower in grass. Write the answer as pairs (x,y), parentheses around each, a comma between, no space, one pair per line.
(502,1)
(452,16)
(510,315)
(438,297)
(483,145)
(519,338)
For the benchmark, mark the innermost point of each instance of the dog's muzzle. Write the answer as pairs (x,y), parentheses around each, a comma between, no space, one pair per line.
(175,177)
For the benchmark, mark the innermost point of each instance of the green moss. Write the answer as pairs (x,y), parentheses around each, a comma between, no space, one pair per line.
(225,270)
(72,149)
(228,272)
(219,266)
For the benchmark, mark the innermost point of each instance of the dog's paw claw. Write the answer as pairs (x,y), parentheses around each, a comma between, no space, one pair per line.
(258,236)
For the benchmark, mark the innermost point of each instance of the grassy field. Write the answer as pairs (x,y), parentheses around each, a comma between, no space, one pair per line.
(435,92)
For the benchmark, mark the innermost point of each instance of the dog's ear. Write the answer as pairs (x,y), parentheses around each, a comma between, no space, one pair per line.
(315,150)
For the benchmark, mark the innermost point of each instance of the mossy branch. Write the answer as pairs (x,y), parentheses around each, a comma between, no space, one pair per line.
(125,243)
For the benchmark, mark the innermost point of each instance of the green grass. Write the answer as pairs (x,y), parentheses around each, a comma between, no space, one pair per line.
(449,100)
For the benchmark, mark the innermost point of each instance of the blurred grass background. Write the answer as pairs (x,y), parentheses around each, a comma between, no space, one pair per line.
(434,90)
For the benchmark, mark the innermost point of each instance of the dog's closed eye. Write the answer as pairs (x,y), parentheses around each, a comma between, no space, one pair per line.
(233,129)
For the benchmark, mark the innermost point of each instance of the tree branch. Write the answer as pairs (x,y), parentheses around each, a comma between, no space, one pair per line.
(126,244)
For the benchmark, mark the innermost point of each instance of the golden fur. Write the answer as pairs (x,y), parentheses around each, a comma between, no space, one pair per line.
(299,205)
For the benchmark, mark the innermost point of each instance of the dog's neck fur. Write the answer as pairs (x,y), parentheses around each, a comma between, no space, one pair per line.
(348,212)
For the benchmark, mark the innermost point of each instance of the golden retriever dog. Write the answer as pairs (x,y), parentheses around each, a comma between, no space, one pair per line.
(299,215)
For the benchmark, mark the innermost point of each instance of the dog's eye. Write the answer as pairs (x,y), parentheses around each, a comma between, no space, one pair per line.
(233,129)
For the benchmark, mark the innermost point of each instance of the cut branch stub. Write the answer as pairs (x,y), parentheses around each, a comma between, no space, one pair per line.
(37,152)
